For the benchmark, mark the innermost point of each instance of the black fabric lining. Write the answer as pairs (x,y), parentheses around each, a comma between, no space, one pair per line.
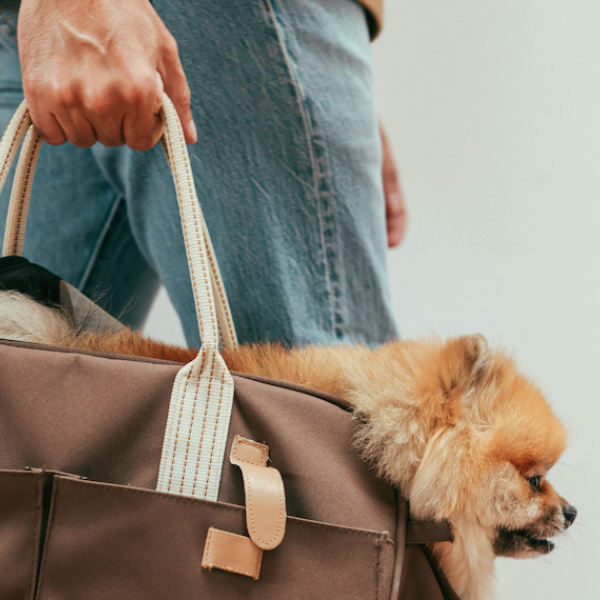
(20,275)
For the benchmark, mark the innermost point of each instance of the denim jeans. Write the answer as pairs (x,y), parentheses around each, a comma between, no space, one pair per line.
(287,167)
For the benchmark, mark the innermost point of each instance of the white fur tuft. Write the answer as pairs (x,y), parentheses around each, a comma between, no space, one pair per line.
(25,320)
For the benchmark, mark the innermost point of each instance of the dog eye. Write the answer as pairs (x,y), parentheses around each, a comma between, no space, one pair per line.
(534,482)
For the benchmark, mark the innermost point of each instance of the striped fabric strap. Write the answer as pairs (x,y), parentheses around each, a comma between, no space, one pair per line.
(202,397)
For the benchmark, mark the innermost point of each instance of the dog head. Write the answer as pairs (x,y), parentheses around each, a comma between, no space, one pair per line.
(468,439)
(492,440)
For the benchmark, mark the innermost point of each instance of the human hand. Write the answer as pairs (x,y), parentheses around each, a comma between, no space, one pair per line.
(395,208)
(95,70)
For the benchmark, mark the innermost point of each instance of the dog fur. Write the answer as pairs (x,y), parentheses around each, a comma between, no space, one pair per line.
(464,435)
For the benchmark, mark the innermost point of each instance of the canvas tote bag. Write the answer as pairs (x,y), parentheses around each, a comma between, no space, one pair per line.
(139,479)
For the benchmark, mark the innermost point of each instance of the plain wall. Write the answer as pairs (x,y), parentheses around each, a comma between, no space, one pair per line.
(493,112)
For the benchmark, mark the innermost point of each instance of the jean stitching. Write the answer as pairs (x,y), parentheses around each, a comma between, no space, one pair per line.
(328,226)
(322,182)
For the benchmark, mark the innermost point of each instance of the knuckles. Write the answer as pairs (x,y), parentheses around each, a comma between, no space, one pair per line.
(170,47)
(145,140)
(70,109)
(185,97)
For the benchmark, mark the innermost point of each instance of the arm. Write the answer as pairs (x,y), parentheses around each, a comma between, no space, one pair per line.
(395,208)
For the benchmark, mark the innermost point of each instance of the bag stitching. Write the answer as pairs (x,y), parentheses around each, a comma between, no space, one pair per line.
(214,440)
(224,302)
(193,208)
(240,441)
(214,267)
(170,160)
(248,488)
(254,533)
(254,574)
(24,119)
(208,396)
(189,440)
(177,431)
(25,183)
(185,237)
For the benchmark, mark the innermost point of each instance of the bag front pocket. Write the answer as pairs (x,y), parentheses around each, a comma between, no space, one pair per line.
(106,541)
(21,514)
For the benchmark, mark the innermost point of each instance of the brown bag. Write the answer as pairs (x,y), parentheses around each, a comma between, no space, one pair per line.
(139,479)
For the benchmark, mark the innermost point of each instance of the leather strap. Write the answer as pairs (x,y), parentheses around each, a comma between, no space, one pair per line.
(427,532)
(265,514)
(265,494)
(231,552)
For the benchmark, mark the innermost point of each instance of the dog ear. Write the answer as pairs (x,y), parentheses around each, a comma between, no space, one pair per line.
(467,360)
(459,366)
(477,356)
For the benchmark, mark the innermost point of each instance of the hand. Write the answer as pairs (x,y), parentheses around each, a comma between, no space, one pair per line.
(395,209)
(95,70)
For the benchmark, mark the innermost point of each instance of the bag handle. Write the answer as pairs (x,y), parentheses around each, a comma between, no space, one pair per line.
(202,395)
(14,236)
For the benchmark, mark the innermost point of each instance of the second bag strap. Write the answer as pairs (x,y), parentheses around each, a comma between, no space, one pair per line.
(18,209)
(225,320)
(202,394)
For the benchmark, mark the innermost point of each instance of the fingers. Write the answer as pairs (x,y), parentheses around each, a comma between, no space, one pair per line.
(48,127)
(77,129)
(111,115)
(142,125)
(395,209)
(143,132)
(177,88)
(128,115)
(396,227)
(102,107)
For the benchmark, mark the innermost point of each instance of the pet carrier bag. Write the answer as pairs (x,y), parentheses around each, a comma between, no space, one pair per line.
(139,479)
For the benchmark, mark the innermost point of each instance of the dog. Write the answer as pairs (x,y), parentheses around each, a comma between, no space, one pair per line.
(454,425)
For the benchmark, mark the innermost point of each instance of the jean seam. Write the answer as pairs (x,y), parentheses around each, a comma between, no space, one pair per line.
(327,223)
(98,245)
(321,179)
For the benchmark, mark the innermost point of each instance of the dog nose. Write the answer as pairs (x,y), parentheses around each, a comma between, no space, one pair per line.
(569,512)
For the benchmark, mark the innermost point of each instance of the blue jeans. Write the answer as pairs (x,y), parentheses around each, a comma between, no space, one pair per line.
(287,168)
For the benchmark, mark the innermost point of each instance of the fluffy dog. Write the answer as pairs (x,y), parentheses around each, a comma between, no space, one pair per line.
(464,435)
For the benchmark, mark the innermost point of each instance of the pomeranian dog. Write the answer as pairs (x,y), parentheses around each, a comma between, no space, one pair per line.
(455,426)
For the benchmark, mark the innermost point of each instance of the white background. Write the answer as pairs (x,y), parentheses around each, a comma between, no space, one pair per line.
(493,109)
